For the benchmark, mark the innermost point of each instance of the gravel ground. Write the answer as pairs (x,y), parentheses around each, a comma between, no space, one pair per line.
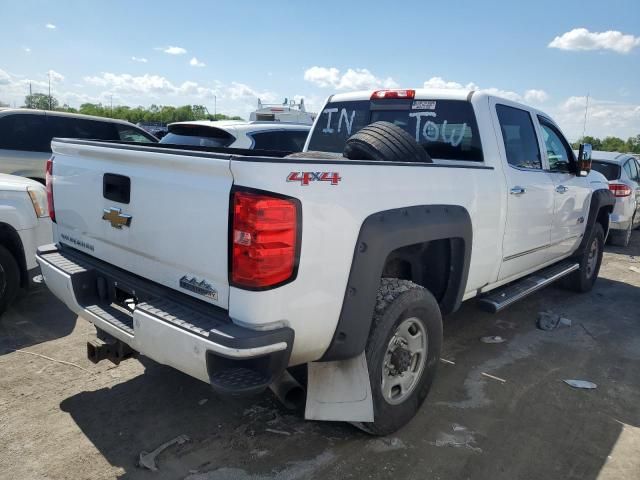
(61,421)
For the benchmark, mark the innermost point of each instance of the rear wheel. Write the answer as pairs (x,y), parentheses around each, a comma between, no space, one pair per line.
(582,280)
(402,353)
(9,278)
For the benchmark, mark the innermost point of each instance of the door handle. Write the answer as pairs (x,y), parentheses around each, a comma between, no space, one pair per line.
(561,189)
(517,190)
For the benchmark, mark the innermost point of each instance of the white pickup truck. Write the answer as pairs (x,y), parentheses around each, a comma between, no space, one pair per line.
(232,267)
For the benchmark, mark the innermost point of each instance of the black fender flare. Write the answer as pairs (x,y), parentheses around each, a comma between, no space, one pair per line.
(601,198)
(380,234)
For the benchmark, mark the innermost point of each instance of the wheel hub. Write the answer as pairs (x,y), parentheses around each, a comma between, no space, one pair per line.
(400,360)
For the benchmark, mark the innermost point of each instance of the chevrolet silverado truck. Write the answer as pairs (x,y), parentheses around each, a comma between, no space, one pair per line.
(232,267)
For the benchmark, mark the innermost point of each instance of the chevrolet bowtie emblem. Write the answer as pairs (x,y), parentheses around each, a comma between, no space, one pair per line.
(116,218)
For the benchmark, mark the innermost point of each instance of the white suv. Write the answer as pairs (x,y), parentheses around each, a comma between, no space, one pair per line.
(280,136)
(24,226)
(25,136)
(622,170)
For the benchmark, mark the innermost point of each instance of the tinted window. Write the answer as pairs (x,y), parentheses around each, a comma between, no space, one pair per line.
(197,135)
(24,132)
(70,127)
(611,171)
(446,129)
(131,134)
(559,152)
(519,136)
(282,140)
(634,170)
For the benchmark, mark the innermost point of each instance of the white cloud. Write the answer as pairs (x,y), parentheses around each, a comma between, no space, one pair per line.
(194,62)
(352,79)
(26,49)
(139,59)
(55,76)
(50,26)
(536,96)
(440,83)
(604,118)
(5,79)
(583,39)
(174,50)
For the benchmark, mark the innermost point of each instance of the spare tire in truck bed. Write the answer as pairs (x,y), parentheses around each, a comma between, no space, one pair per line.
(385,142)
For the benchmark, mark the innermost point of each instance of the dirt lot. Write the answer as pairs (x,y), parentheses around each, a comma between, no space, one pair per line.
(91,421)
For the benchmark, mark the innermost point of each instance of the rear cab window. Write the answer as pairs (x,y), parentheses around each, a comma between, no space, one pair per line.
(281,140)
(198,135)
(446,129)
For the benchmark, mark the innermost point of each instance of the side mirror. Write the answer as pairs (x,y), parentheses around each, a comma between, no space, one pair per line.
(584,159)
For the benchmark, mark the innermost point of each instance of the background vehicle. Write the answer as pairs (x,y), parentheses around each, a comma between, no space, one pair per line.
(24,225)
(231,267)
(622,170)
(287,111)
(284,137)
(25,136)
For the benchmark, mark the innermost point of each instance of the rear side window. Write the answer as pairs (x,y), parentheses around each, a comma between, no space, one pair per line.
(24,132)
(70,127)
(282,140)
(611,171)
(446,129)
(519,136)
(198,136)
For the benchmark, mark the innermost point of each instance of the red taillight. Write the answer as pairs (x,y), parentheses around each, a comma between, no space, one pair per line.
(49,183)
(380,94)
(620,189)
(265,239)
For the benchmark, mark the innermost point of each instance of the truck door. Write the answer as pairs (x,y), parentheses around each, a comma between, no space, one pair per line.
(530,192)
(572,193)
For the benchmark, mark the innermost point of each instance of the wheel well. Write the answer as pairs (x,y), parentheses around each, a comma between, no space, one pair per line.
(428,264)
(10,240)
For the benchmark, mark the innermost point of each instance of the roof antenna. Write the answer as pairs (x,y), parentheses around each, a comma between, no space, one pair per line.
(584,125)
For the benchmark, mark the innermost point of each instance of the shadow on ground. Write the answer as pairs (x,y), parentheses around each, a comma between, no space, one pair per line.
(35,317)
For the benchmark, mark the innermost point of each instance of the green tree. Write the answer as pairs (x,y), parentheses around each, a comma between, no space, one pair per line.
(613,144)
(40,101)
(3,104)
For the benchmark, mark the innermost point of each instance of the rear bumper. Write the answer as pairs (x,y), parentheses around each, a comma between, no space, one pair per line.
(169,327)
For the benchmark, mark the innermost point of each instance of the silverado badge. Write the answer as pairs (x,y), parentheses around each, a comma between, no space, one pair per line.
(201,287)
(116,218)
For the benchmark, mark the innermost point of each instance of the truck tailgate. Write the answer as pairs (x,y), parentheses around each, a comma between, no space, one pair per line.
(174,228)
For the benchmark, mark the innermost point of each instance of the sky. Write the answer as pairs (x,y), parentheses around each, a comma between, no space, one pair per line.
(227,54)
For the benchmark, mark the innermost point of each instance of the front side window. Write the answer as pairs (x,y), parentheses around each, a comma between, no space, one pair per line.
(446,129)
(558,150)
(25,132)
(281,140)
(519,136)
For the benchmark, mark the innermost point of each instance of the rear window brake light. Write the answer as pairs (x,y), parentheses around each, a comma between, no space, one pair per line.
(395,93)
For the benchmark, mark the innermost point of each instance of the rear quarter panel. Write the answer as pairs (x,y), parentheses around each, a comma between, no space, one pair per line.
(331,219)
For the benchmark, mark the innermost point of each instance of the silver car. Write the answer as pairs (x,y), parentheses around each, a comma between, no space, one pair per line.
(25,136)
(622,170)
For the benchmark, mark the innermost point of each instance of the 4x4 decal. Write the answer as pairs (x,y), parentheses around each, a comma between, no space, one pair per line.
(306,177)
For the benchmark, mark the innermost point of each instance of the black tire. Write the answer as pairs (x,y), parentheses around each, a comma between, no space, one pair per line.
(9,278)
(582,280)
(398,301)
(385,142)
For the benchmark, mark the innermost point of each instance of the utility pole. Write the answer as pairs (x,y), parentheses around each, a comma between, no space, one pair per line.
(111,100)
(584,125)
(30,97)
(49,75)
(215,107)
